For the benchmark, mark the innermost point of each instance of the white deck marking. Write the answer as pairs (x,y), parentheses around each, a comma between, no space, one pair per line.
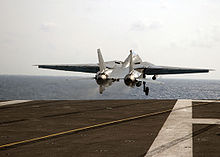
(175,137)
(205,100)
(13,102)
(205,121)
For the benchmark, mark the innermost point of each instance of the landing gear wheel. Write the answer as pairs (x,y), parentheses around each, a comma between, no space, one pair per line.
(146,90)
(138,84)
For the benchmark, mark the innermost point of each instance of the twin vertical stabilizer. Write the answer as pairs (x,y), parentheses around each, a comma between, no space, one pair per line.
(127,63)
(131,62)
(102,66)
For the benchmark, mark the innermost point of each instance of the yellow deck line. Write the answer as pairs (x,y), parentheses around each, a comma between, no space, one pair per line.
(89,127)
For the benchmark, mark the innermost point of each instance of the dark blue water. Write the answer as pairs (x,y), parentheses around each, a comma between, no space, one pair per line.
(47,87)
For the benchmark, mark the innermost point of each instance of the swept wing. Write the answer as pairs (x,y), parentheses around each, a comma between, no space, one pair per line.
(88,68)
(162,70)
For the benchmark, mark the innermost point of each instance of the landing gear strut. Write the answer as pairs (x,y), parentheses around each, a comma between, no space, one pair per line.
(145,89)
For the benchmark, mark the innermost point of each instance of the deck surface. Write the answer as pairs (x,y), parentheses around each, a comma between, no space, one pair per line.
(107,128)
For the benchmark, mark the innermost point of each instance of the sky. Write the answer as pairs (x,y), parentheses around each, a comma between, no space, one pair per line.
(163,32)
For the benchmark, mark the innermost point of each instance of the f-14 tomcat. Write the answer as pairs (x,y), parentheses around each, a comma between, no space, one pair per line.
(133,71)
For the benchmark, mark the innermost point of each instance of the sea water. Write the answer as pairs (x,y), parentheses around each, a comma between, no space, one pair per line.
(77,88)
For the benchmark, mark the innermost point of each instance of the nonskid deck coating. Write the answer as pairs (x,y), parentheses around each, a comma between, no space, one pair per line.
(40,118)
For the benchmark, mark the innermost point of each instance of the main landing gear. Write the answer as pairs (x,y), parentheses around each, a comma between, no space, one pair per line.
(145,89)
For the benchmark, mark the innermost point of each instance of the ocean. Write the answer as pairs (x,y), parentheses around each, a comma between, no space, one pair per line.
(79,88)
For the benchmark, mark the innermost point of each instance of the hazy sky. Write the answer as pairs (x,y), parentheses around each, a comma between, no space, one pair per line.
(165,32)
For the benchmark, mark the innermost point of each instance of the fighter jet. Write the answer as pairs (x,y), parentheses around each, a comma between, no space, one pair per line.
(132,71)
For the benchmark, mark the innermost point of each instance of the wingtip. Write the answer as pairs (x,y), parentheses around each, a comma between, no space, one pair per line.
(212,70)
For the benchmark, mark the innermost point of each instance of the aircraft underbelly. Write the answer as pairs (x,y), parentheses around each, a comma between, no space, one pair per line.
(119,73)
